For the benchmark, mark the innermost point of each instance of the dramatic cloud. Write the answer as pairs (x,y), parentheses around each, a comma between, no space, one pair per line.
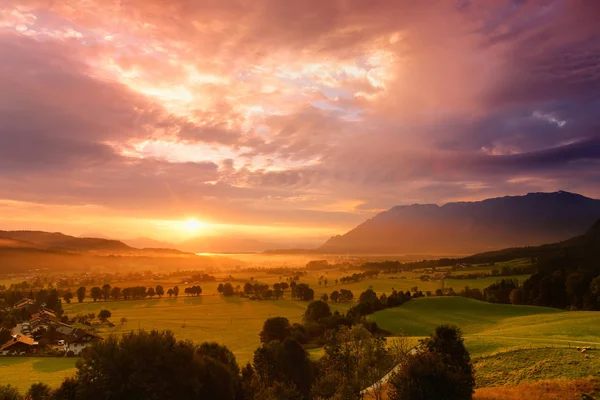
(302,117)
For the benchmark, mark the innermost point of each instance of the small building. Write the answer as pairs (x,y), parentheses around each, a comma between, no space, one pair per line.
(43,318)
(80,339)
(23,303)
(19,345)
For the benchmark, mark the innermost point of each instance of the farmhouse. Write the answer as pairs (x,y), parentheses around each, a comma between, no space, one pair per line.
(18,345)
(23,303)
(79,339)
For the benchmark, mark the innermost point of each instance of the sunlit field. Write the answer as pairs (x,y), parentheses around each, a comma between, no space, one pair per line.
(236,322)
(22,372)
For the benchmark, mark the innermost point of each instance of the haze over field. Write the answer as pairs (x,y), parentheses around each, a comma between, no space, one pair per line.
(287,122)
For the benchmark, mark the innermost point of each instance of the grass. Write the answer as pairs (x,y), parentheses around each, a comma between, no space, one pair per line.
(21,372)
(530,365)
(232,321)
(508,344)
(419,317)
(556,389)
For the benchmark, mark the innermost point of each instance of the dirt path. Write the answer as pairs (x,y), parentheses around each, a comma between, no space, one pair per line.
(387,376)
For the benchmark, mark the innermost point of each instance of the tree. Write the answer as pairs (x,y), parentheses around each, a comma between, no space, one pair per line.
(9,392)
(595,286)
(354,359)
(285,363)
(276,328)
(303,292)
(447,343)
(220,288)
(316,311)
(346,295)
(176,291)
(335,296)
(516,296)
(106,291)
(160,291)
(39,391)
(426,376)
(150,365)
(96,293)
(151,293)
(228,289)
(115,293)
(104,315)
(68,296)
(81,294)
(5,335)
(324,297)
(170,292)
(124,320)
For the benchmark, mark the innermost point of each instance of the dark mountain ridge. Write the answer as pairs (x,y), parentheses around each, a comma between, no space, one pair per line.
(470,227)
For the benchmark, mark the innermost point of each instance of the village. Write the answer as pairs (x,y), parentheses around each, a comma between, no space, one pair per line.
(46,333)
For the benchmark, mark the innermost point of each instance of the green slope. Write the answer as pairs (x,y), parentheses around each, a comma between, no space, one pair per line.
(419,317)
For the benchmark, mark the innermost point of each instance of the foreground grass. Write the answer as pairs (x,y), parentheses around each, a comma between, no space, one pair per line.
(557,389)
(21,372)
(528,365)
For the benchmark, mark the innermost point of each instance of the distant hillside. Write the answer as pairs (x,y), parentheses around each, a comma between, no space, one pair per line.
(470,227)
(32,250)
(62,241)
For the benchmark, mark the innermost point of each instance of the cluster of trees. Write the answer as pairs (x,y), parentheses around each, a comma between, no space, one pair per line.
(195,290)
(509,271)
(156,365)
(369,302)
(202,277)
(359,277)
(565,282)
(301,291)
(261,291)
(50,298)
(228,290)
(341,296)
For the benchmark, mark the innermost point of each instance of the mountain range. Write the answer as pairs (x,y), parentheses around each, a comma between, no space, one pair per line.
(470,227)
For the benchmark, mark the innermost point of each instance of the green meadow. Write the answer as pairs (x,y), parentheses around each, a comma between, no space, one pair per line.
(21,372)
(490,329)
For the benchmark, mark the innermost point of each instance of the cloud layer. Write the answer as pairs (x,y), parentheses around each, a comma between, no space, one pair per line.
(304,116)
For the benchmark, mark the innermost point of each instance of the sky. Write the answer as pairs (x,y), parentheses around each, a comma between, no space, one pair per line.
(288,120)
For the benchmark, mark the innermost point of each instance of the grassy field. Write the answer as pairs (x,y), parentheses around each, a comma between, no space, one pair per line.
(508,344)
(530,365)
(553,389)
(21,372)
(235,322)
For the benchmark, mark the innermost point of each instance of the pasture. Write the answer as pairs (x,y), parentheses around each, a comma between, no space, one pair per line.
(21,372)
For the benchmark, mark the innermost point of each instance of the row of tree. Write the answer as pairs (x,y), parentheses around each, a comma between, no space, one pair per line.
(107,292)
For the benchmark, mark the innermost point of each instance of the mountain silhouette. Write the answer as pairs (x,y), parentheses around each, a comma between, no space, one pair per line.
(470,227)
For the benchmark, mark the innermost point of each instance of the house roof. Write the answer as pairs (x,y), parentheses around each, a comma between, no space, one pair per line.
(78,334)
(23,302)
(19,339)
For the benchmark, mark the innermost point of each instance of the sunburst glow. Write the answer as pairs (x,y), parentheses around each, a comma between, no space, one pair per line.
(193,225)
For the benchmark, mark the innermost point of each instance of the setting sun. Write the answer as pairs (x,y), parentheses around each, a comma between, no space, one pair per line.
(193,225)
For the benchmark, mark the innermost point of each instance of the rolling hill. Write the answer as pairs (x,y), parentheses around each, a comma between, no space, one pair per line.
(32,250)
(470,227)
